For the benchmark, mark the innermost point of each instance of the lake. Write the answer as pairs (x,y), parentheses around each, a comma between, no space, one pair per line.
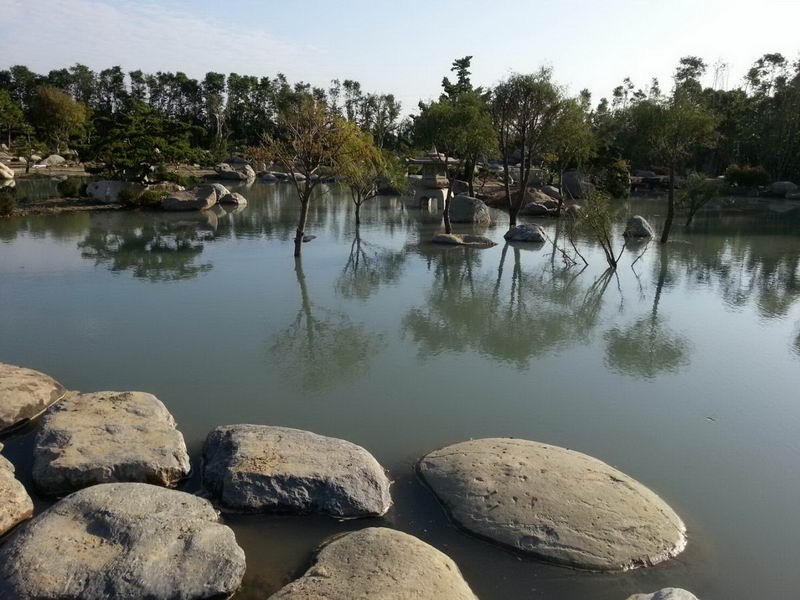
(682,370)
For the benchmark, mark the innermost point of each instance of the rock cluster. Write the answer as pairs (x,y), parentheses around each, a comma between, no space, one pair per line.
(200,198)
(260,468)
(378,563)
(25,394)
(107,437)
(125,541)
(553,503)
(237,171)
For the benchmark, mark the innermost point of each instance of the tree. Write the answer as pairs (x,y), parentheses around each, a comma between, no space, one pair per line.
(133,142)
(460,129)
(311,142)
(365,167)
(57,115)
(572,140)
(11,115)
(697,192)
(524,112)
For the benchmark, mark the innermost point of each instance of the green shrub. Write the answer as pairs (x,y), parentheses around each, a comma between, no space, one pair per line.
(8,201)
(129,195)
(746,176)
(186,181)
(615,179)
(70,187)
(150,198)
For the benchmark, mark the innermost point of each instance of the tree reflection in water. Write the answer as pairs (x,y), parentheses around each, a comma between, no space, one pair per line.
(322,346)
(367,268)
(154,246)
(533,314)
(647,347)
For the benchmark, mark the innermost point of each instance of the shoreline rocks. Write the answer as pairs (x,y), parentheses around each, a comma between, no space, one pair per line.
(378,563)
(125,541)
(555,504)
(107,437)
(25,394)
(15,503)
(261,468)
(200,198)
(240,171)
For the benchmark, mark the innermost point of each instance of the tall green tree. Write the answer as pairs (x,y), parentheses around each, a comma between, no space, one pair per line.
(11,115)
(57,116)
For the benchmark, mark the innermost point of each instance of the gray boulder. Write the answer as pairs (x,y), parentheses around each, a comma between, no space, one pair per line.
(378,563)
(108,437)
(781,188)
(220,190)
(536,209)
(200,198)
(25,394)
(15,503)
(552,191)
(105,190)
(556,504)
(453,239)
(638,227)
(526,233)
(260,468)
(237,171)
(52,161)
(126,541)
(233,198)
(665,594)
(465,209)
(576,185)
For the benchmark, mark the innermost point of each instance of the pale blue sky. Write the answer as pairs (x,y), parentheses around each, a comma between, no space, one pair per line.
(400,47)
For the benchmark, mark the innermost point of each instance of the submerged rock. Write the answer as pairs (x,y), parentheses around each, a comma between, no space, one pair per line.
(108,437)
(665,594)
(378,563)
(638,227)
(200,198)
(126,541)
(556,504)
(466,209)
(25,394)
(526,233)
(15,503)
(453,239)
(260,468)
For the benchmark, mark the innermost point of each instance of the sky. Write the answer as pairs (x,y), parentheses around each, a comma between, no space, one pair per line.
(404,48)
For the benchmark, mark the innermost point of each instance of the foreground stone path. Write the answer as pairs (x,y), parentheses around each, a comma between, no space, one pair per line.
(553,503)
(25,394)
(260,468)
(15,503)
(665,594)
(107,437)
(125,541)
(378,564)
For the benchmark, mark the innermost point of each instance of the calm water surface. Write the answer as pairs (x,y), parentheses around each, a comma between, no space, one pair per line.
(682,371)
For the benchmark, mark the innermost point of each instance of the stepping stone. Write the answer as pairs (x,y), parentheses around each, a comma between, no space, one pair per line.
(259,468)
(15,503)
(555,504)
(379,564)
(107,437)
(126,541)
(25,394)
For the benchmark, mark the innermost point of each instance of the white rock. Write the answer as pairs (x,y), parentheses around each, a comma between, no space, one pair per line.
(25,394)
(15,503)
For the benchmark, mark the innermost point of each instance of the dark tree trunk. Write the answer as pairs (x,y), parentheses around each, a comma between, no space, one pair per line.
(358,214)
(301,227)
(670,206)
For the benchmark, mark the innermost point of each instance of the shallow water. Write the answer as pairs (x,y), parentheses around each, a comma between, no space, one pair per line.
(681,371)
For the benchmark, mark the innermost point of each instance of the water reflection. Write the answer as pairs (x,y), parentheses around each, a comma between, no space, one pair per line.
(322,346)
(512,319)
(368,267)
(153,246)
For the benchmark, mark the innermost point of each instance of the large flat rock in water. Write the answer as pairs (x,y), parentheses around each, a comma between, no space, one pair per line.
(15,503)
(260,468)
(378,564)
(107,437)
(24,394)
(556,504)
(126,541)
(665,594)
